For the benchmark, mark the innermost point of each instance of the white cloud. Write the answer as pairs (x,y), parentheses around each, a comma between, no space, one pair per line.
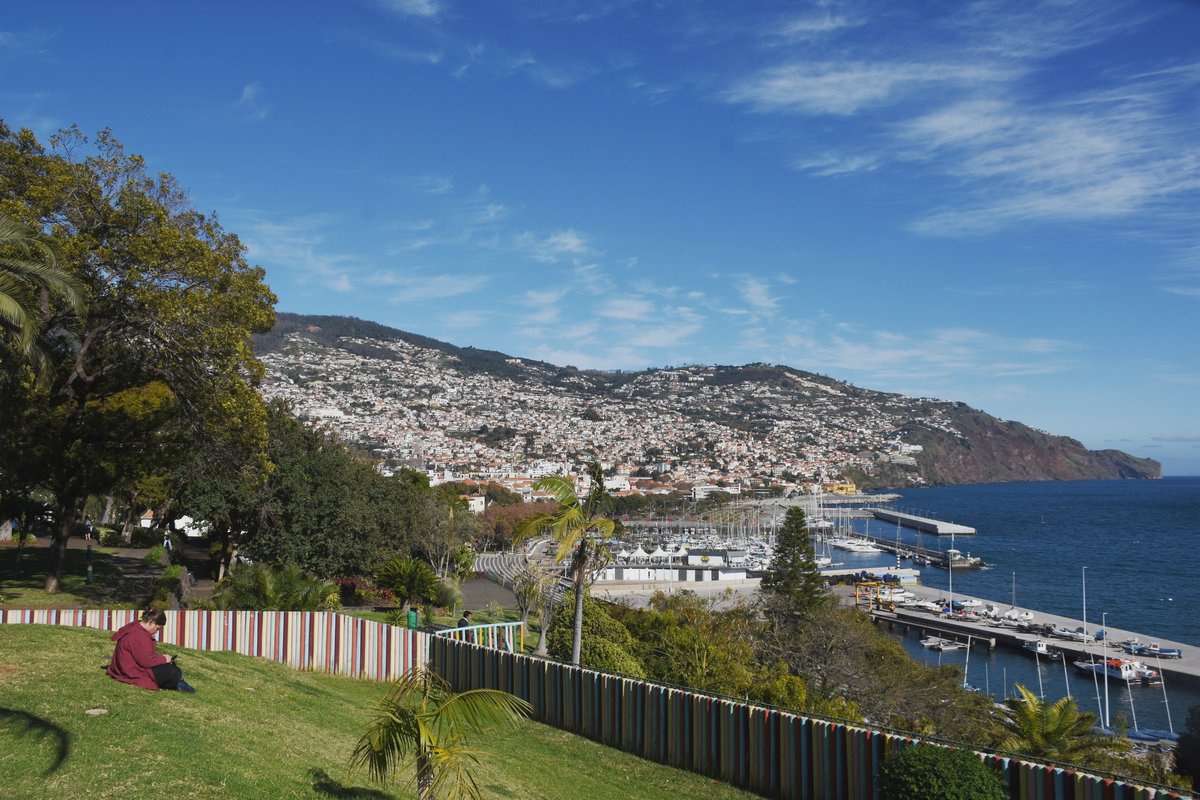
(466,319)
(251,101)
(757,293)
(831,164)
(551,248)
(416,287)
(414,8)
(845,88)
(627,308)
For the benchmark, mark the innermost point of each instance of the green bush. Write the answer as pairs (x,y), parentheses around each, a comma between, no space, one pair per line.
(146,537)
(154,555)
(927,772)
(109,537)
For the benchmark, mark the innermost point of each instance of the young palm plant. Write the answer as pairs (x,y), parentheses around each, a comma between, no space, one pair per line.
(258,587)
(1058,732)
(422,718)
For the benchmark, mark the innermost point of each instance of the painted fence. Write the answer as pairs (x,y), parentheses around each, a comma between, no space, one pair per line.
(770,752)
(305,640)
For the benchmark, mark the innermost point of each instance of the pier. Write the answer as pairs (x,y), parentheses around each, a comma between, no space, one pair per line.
(936,558)
(1176,671)
(925,524)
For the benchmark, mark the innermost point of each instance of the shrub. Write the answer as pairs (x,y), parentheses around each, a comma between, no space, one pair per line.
(927,772)
(261,588)
(448,596)
(146,537)
(109,537)
(154,555)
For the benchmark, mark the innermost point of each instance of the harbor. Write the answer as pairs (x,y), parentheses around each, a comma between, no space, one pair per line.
(923,524)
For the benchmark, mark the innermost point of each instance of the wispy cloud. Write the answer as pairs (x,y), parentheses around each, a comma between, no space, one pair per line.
(552,247)
(757,293)
(417,285)
(251,101)
(298,246)
(832,164)
(627,308)
(413,8)
(843,88)
(466,319)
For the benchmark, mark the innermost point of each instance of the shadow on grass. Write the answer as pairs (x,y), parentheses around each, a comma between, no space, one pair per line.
(22,723)
(325,785)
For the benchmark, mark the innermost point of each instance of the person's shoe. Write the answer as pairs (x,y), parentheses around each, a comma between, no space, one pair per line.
(184,686)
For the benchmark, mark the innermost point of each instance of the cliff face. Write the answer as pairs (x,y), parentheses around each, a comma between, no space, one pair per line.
(994,450)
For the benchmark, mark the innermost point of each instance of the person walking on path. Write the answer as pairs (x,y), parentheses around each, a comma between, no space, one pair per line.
(465,622)
(87,527)
(136,659)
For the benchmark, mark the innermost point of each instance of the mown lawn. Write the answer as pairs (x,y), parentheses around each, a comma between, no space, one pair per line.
(252,730)
(120,578)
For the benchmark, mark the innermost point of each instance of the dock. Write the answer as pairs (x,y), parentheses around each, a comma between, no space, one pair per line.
(1175,671)
(924,524)
(936,558)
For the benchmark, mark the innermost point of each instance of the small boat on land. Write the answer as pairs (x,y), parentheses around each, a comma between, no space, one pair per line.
(1076,635)
(1042,649)
(1136,648)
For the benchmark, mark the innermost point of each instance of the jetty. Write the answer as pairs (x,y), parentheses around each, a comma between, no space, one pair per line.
(936,558)
(924,524)
(1183,671)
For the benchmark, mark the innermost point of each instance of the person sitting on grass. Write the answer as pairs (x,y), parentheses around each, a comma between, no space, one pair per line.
(136,659)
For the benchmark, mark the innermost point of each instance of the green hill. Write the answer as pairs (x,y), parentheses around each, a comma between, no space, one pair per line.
(252,730)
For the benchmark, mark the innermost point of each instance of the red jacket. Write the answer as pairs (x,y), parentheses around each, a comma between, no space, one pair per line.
(134,657)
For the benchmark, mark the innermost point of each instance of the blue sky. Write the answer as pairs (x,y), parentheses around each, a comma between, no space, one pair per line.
(990,202)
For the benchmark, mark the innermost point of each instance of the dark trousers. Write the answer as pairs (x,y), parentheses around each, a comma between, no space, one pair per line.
(167,675)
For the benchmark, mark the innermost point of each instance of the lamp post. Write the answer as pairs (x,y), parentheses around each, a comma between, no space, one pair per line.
(1104,625)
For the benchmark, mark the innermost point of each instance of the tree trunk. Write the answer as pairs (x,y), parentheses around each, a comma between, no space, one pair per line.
(577,638)
(547,612)
(107,516)
(424,776)
(67,513)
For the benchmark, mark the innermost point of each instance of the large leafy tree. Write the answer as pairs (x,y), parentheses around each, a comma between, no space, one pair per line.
(578,527)
(422,718)
(171,305)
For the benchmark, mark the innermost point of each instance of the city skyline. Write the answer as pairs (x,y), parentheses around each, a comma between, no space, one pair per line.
(962,201)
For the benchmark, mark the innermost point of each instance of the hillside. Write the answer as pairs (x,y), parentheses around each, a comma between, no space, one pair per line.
(253,730)
(419,401)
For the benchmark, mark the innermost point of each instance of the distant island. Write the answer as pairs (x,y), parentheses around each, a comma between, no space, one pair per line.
(416,401)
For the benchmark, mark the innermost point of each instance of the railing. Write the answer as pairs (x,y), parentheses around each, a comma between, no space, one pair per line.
(768,751)
(509,636)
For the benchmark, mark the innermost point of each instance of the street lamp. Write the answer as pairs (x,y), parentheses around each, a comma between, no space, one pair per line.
(1104,625)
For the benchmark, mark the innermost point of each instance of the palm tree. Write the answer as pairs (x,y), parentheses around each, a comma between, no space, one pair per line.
(409,579)
(258,587)
(579,530)
(29,275)
(1058,732)
(422,717)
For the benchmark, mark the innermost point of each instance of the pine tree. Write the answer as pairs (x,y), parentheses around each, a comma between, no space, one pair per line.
(792,584)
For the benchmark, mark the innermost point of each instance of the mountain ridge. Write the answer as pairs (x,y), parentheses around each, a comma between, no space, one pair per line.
(419,397)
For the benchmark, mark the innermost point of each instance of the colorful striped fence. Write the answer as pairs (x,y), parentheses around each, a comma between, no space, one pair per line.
(320,641)
(770,752)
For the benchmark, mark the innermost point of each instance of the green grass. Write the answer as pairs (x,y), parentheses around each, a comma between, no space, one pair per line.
(117,581)
(253,730)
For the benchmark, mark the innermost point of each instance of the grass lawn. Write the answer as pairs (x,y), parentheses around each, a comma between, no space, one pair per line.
(253,730)
(119,578)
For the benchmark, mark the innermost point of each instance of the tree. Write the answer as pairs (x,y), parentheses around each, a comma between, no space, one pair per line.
(30,277)
(172,302)
(579,530)
(793,584)
(423,718)
(1187,750)
(928,772)
(608,646)
(1058,732)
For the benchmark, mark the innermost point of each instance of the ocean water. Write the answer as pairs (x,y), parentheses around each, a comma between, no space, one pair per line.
(1139,542)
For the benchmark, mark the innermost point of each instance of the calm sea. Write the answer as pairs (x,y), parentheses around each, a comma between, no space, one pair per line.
(1140,543)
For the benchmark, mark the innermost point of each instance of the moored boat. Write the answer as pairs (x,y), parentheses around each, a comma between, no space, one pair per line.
(1122,669)
(1042,649)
